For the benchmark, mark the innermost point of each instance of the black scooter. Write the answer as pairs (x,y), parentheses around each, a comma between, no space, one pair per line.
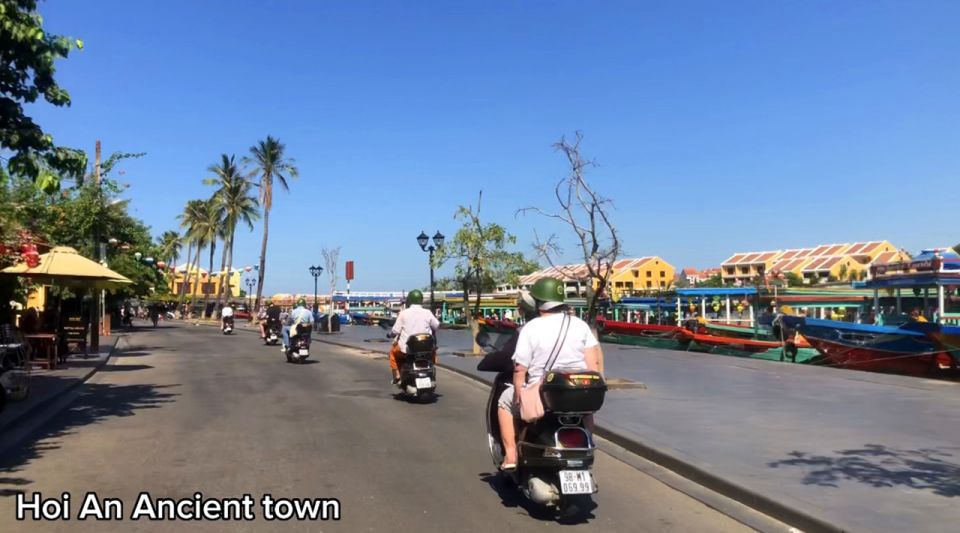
(273,332)
(418,375)
(227,326)
(299,349)
(555,453)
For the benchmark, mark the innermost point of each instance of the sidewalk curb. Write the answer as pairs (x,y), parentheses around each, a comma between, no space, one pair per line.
(695,473)
(42,405)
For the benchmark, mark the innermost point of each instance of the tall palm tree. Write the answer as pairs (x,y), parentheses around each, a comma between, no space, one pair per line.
(270,163)
(235,203)
(190,220)
(207,231)
(170,244)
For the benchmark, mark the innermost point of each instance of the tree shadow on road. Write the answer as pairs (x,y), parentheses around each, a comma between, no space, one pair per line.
(98,403)
(879,466)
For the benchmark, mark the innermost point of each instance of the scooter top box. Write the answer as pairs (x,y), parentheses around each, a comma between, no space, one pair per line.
(420,343)
(578,391)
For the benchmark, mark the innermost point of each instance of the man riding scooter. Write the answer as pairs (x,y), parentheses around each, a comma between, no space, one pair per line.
(270,318)
(226,318)
(299,315)
(412,321)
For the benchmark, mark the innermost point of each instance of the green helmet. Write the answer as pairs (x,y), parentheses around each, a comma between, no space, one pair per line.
(549,293)
(301,302)
(414,297)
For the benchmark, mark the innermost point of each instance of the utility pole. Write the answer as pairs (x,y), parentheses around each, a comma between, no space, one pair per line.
(95,311)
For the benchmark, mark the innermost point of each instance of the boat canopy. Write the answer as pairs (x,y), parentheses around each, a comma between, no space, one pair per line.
(718,291)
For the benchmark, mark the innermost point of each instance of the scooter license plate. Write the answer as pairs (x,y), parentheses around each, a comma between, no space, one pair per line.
(423,383)
(304,351)
(576,482)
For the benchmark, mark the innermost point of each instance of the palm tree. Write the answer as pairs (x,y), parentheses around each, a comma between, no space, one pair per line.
(207,231)
(191,220)
(234,204)
(170,244)
(270,163)
(186,219)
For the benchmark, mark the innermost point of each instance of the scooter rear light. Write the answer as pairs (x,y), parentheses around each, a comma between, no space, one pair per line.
(572,438)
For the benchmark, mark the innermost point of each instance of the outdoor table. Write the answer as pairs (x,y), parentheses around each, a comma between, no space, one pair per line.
(45,343)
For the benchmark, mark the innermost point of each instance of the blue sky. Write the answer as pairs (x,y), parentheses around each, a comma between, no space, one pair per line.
(718,126)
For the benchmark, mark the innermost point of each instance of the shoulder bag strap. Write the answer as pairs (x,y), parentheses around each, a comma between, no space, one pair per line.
(561,339)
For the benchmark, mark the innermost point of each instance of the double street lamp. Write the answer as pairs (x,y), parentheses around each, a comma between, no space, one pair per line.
(315,271)
(423,240)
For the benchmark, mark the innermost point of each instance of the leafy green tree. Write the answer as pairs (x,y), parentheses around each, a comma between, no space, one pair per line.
(170,244)
(271,163)
(793,279)
(208,231)
(715,280)
(234,203)
(27,68)
(482,259)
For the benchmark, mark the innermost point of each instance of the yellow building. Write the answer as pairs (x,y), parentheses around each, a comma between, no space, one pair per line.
(841,262)
(641,274)
(206,282)
(631,275)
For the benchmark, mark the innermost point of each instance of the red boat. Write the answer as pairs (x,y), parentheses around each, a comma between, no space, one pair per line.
(640,330)
(732,343)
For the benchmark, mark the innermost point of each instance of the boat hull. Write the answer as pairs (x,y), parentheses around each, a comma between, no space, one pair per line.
(871,348)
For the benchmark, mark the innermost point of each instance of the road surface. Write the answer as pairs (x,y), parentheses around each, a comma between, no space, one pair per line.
(183,409)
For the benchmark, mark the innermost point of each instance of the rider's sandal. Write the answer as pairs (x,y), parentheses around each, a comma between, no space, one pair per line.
(508,467)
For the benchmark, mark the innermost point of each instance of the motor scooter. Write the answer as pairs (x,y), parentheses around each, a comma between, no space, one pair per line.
(299,349)
(556,452)
(227,325)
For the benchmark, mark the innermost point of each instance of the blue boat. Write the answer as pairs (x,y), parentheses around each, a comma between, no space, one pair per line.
(899,350)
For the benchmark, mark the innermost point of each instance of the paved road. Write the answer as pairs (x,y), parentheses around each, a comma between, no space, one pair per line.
(184,409)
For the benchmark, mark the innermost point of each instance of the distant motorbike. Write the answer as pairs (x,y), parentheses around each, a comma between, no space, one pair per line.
(557,451)
(418,374)
(227,325)
(273,332)
(299,349)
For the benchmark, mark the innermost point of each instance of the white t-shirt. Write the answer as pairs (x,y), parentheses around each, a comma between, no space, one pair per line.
(226,311)
(413,321)
(538,337)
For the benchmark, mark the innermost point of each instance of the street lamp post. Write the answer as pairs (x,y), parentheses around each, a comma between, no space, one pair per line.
(423,240)
(249,283)
(315,271)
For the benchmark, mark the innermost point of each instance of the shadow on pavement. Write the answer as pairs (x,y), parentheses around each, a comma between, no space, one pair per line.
(511,497)
(99,402)
(879,466)
(124,368)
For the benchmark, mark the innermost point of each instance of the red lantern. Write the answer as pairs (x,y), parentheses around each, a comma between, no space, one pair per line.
(161,265)
(30,255)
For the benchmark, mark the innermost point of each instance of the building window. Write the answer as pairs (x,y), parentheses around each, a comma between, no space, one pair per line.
(636,273)
(649,273)
(661,284)
(744,270)
(730,270)
(649,284)
(663,274)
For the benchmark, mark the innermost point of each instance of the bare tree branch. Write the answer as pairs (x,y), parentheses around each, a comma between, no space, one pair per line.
(586,212)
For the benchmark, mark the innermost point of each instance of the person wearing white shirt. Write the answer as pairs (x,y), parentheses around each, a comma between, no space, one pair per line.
(553,332)
(226,315)
(413,320)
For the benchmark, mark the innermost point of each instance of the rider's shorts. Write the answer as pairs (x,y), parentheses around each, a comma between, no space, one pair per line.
(505,401)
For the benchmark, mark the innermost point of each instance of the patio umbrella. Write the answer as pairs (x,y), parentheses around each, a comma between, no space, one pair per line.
(63,266)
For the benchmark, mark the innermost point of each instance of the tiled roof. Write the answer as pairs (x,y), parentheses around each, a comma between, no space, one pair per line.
(884,258)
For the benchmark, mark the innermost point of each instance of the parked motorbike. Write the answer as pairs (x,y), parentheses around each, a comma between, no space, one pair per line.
(273,331)
(299,348)
(227,325)
(418,374)
(555,453)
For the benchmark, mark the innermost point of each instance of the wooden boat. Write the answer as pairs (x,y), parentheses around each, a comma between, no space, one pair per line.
(650,335)
(723,330)
(889,349)
(733,343)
